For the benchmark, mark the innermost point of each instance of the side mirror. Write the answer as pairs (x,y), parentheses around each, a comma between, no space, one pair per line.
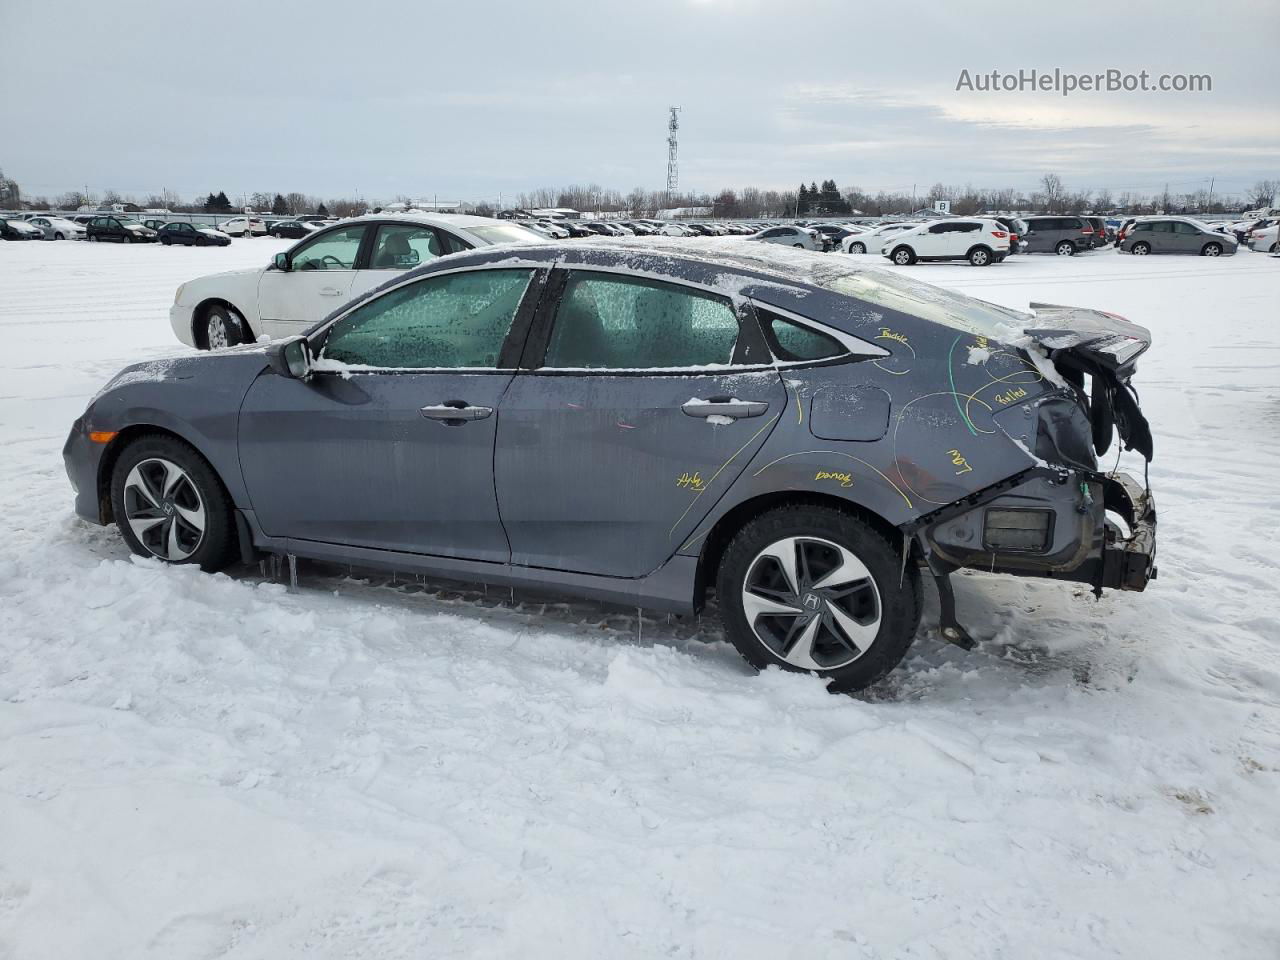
(290,358)
(281,262)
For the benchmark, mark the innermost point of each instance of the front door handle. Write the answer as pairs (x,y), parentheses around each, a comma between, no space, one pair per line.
(724,407)
(330,292)
(456,412)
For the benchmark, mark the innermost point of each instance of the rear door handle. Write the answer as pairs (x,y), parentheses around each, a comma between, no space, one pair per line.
(723,407)
(330,292)
(455,412)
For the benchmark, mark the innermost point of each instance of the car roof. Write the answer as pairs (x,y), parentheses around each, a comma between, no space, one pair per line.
(435,219)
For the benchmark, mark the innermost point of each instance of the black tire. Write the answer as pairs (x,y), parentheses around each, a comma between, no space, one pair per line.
(1273,248)
(126,239)
(898,589)
(93,238)
(1211,250)
(799,246)
(1140,249)
(232,325)
(58,236)
(903,256)
(1065,249)
(217,546)
(980,257)
(165,241)
(857,248)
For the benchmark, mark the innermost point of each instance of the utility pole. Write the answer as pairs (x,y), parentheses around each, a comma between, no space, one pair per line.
(673,179)
(1210,202)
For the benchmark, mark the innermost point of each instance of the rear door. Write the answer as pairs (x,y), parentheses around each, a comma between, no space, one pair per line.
(389,445)
(322,272)
(641,409)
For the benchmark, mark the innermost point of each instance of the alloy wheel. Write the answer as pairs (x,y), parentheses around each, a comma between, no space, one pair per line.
(164,509)
(812,603)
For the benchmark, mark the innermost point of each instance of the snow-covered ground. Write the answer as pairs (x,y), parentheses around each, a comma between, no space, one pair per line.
(200,766)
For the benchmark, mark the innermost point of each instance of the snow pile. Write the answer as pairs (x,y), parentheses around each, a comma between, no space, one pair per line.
(197,766)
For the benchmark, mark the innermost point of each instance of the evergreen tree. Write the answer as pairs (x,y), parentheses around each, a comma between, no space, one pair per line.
(321,211)
(802,200)
(221,203)
(210,203)
(278,206)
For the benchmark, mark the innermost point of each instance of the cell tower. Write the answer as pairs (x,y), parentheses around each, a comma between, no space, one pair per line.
(673,177)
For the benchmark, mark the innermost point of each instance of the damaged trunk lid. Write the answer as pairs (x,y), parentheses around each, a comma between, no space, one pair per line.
(1105,348)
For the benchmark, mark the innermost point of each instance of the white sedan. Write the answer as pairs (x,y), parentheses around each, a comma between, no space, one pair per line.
(323,271)
(1265,240)
(790,236)
(871,240)
(57,228)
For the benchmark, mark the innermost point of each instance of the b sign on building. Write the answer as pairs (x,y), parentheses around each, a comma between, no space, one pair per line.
(942,206)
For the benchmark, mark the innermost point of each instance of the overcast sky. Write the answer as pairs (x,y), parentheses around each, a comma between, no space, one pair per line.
(470,100)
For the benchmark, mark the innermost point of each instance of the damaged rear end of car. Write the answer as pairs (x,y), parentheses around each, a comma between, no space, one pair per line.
(1063,517)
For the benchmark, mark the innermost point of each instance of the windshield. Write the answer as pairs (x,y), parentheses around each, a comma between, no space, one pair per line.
(126,222)
(924,300)
(505,233)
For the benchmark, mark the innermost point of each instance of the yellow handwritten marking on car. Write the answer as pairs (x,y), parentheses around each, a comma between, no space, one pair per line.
(1017,393)
(844,478)
(959,461)
(690,481)
(887,334)
(980,343)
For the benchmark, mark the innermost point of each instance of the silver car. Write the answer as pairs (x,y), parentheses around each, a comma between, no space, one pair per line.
(1177,235)
(57,228)
(788,236)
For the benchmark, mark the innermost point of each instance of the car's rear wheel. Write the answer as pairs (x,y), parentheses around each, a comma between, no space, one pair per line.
(1065,249)
(223,327)
(165,241)
(1273,248)
(1212,250)
(1140,249)
(857,248)
(169,504)
(980,257)
(59,236)
(798,245)
(814,589)
(904,256)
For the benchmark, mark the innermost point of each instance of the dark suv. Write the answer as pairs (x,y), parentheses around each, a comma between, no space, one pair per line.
(119,229)
(1061,235)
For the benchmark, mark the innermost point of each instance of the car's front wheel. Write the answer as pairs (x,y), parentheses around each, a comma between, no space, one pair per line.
(1212,250)
(59,236)
(814,589)
(904,256)
(1065,249)
(1140,249)
(223,327)
(169,504)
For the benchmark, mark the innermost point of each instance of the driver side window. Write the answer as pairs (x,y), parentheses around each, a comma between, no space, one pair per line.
(335,250)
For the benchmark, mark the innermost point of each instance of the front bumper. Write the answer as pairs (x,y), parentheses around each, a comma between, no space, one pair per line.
(82,459)
(1128,563)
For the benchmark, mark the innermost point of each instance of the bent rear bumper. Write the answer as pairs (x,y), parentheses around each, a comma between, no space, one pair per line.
(1128,563)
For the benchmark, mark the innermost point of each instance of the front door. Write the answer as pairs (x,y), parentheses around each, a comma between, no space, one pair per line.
(321,273)
(390,444)
(630,428)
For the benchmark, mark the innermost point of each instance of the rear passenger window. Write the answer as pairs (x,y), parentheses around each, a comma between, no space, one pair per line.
(607,322)
(791,342)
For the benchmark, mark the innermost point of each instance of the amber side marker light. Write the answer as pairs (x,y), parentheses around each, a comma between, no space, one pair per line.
(102,436)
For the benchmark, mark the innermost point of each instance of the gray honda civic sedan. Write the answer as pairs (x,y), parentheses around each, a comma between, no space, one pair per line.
(645,422)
